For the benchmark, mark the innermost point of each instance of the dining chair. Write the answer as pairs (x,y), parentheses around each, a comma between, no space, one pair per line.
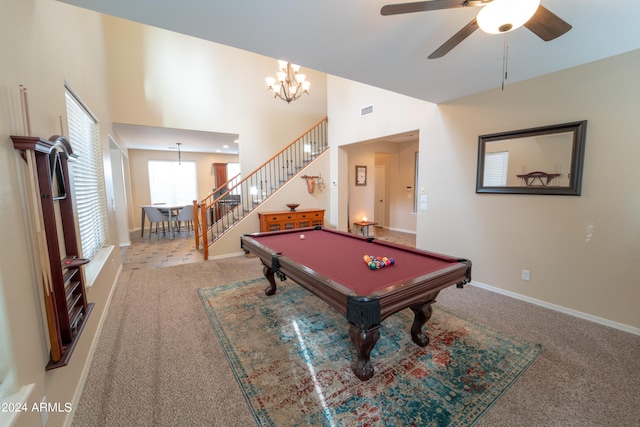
(155,216)
(186,216)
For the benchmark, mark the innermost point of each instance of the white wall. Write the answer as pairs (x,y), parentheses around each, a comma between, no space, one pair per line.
(582,251)
(393,114)
(43,43)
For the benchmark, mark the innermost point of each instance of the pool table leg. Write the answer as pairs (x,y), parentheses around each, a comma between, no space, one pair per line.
(364,342)
(269,275)
(422,313)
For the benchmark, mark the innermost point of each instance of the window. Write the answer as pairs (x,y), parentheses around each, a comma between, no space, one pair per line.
(88,176)
(172,183)
(233,169)
(495,169)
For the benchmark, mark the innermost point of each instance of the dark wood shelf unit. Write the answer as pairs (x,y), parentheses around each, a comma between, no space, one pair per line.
(65,297)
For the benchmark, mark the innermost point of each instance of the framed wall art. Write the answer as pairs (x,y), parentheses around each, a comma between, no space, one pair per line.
(361,175)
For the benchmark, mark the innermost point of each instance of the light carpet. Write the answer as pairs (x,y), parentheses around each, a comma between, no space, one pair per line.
(292,357)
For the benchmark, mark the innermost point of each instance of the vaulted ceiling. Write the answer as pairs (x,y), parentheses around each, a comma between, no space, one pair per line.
(351,39)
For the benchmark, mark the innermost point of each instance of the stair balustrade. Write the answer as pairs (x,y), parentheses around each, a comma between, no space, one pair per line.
(232,201)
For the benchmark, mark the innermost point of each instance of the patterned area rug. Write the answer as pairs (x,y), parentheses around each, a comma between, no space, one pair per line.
(292,356)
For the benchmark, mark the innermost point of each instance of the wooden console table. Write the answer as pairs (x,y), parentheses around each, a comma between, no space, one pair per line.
(289,220)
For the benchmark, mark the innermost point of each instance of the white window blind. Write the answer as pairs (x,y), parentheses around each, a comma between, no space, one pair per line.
(172,183)
(88,176)
(495,169)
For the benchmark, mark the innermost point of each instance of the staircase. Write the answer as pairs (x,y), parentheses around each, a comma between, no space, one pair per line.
(217,213)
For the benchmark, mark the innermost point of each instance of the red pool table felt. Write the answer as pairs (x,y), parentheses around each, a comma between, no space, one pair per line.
(339,257)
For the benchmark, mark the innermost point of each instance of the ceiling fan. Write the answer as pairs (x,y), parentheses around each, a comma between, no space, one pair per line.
(542,22)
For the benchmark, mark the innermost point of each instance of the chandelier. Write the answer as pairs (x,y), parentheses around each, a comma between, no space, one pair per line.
(289,84)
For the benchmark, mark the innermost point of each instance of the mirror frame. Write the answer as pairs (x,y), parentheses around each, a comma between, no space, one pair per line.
(579,130)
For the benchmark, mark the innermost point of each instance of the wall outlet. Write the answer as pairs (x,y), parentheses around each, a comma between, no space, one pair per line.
(526,274)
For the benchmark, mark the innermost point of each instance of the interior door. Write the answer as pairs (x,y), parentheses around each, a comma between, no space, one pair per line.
(380,207)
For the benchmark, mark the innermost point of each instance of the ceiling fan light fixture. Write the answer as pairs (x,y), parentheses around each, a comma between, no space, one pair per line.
(501,16)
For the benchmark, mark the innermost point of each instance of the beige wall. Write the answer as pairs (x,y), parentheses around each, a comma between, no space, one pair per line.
(294,191)
(44,43)
(582,252)
(161,78)
(393,114)
(398,161)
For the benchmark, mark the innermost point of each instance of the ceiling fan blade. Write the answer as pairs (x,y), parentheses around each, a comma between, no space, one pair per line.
(546,24)
(454,41)
(420,6)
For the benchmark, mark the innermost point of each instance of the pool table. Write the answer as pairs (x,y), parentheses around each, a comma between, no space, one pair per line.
(329,263)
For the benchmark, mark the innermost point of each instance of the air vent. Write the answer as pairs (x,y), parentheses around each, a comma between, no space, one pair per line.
(365,111)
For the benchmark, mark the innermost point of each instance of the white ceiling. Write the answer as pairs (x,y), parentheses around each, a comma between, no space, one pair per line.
(163,139)
(351,39)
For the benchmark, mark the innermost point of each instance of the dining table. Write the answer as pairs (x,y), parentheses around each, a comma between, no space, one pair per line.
(171,210)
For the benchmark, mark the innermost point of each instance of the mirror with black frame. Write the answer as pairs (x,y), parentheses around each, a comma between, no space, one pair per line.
(541,160)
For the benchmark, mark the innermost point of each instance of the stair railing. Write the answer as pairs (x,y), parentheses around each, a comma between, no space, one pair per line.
(219,211)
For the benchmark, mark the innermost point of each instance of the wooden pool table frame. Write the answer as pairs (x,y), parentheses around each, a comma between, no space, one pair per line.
(364,312)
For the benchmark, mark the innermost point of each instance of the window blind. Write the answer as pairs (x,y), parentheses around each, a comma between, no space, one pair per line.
(88,176)
(495,169)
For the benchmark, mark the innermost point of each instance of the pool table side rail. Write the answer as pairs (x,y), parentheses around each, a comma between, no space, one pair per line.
(331,291)
(393,298)
(423,288)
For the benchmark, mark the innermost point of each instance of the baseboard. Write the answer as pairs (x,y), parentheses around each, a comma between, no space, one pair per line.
(400,230)
(561,309)
(231,255)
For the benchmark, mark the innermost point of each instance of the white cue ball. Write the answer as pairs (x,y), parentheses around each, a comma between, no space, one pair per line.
(302,237)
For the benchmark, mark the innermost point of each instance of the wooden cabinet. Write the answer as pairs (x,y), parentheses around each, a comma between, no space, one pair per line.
(65,297)
(289,220)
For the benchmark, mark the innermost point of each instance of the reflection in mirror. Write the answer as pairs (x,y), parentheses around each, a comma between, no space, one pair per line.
(536,160)
(545,160)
